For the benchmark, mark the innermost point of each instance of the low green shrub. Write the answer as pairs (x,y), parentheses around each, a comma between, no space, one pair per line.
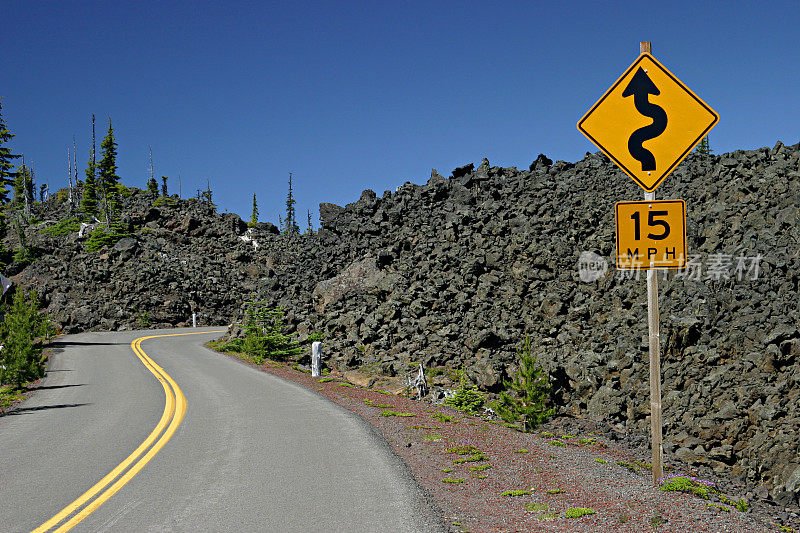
(685,484)
(719,506)
(63,227)
(466,399)
(395,413)
(167,201)
(471,459)
(577,512)
(465,449)
(369,402)
(103,236)
(9,395)
(515,493)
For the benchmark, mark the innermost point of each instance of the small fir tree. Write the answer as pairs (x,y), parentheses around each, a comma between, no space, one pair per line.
(704,147)
(254,215)
(7,179)
(309,227)
(527,394)
(23,254)
(20,182)
(107,170)
(207,195)
(22,333)
(7,175)
(290,223)
(164,185)
(264,337)
(89,200)
(152,186)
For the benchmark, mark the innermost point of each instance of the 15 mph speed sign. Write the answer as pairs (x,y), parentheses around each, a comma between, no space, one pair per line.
(651,234)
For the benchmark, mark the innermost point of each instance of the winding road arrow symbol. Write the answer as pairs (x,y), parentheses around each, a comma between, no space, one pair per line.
(641,87)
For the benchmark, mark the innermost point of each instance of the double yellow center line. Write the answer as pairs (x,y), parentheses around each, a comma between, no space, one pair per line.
(174,410)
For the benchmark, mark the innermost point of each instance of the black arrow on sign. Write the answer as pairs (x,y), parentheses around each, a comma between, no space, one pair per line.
(641,87)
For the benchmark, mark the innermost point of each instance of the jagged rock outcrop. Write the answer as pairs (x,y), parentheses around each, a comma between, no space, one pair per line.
(453,273)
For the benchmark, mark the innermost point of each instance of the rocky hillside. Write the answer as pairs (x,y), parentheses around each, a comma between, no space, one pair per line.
(453,273)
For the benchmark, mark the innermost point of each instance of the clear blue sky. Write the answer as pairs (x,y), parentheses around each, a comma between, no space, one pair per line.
(357,95)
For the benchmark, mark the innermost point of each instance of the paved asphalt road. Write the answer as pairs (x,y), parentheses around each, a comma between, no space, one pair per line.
(253,453)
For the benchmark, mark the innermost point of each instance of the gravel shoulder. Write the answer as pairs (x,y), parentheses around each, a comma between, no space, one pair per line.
(567,463)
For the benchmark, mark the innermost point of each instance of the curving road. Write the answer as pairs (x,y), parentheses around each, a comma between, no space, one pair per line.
(252,453)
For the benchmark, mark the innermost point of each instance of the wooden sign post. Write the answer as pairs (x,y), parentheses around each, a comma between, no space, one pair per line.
(655,347)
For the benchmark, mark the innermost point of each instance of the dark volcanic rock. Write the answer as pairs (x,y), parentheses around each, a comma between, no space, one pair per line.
(454,272)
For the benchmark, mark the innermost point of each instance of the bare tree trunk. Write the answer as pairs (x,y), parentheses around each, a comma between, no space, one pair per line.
(75,159)
(69,196)
(28,192)
(152,169)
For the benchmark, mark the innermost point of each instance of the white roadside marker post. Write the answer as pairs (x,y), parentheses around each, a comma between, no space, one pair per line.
(316,359)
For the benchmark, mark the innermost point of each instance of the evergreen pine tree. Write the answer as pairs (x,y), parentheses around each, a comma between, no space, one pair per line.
(22,333)
(290,223)
(704,147)
(530,393)
(107,170)
(309,227)
(164,185)
(254,215)
(23,253)
(152,186)
(21,179)
(207,195)
(89,200)
(7,178)
(6,162)
(30,189)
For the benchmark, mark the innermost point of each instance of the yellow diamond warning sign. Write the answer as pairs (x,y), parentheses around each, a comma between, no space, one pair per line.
(651,234)
(648,121)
